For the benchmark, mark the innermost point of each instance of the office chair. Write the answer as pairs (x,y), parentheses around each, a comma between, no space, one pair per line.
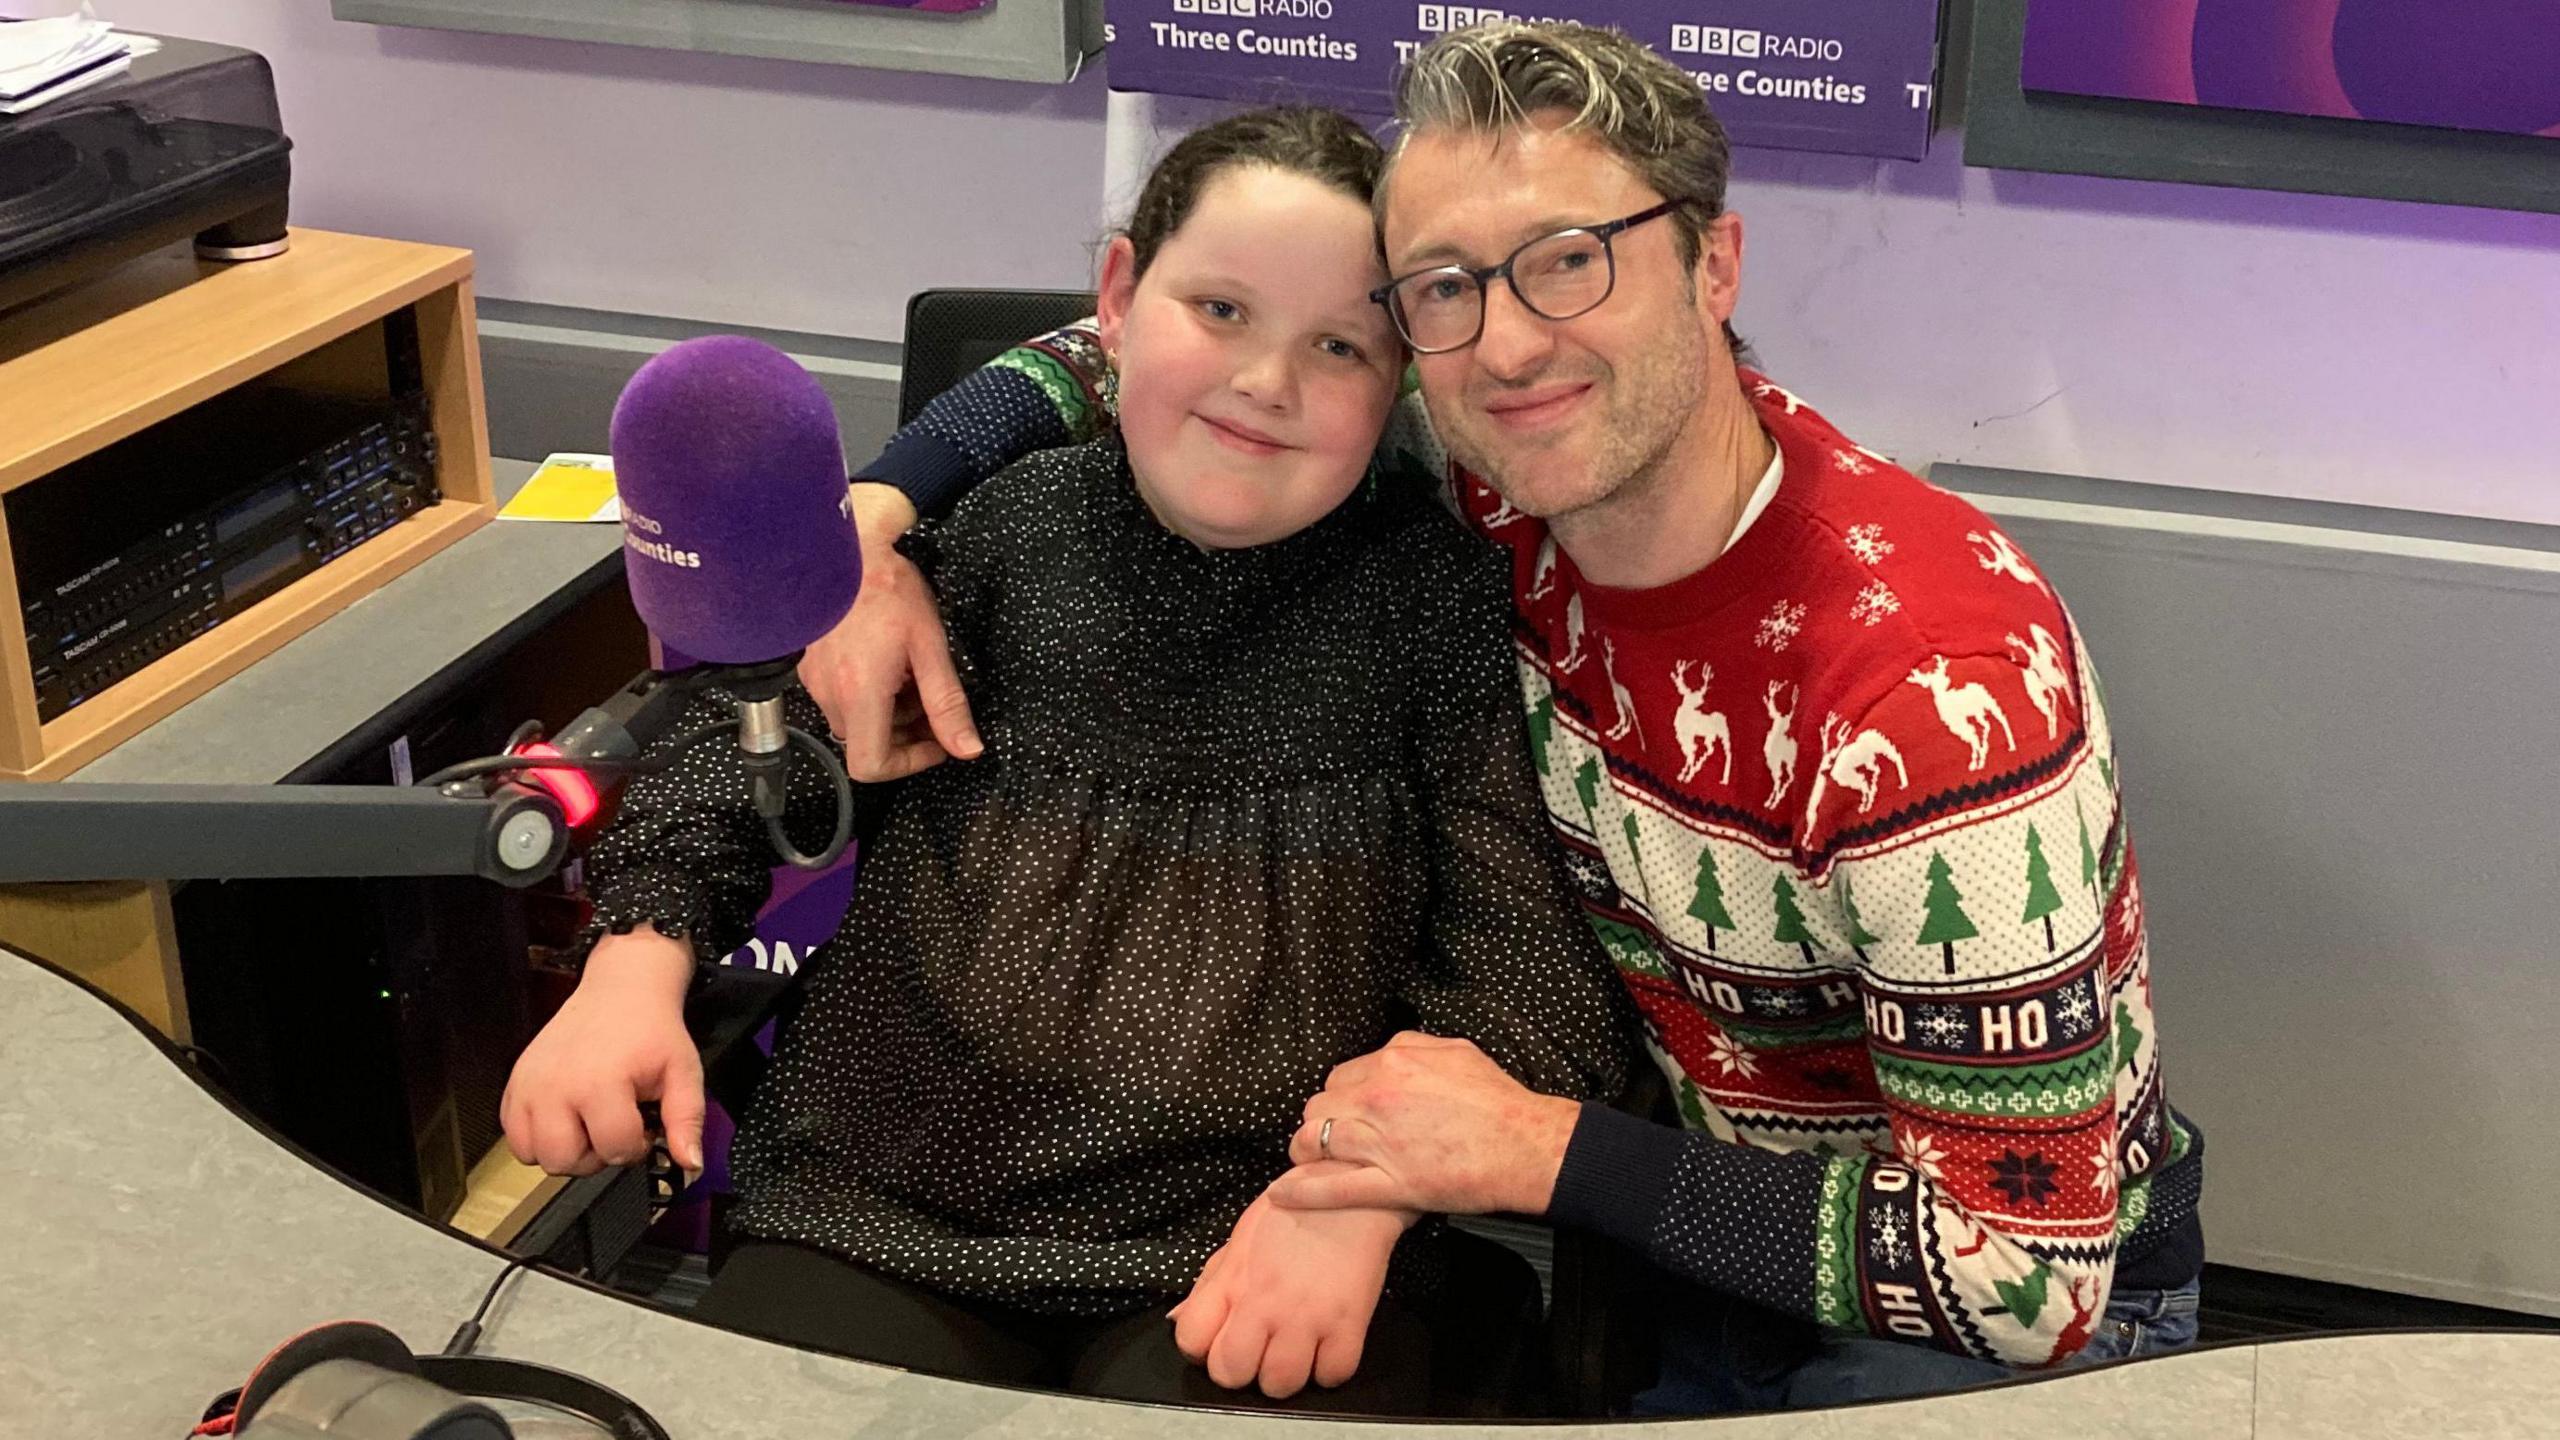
(952,332)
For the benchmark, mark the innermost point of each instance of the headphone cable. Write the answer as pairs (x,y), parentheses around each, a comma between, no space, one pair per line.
(467,1337)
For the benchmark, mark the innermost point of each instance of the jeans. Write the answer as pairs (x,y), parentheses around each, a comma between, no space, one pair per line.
(1726,1356)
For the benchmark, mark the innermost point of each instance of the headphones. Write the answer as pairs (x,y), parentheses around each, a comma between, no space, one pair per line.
(420,1397)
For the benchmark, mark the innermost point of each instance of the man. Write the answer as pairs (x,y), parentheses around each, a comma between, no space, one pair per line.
(1827,754)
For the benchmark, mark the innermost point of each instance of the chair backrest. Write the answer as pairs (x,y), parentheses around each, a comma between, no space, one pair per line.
(952,332)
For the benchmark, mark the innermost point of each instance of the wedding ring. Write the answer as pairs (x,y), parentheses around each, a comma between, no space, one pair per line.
(1324,1139)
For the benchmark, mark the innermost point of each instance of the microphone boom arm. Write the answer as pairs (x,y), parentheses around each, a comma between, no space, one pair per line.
(511,833)
(468,819)
(75,831)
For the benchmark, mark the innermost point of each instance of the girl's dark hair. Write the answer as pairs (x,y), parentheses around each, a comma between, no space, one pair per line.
(1323,145)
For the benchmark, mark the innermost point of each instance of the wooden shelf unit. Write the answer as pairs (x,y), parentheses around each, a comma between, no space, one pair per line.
(80,371)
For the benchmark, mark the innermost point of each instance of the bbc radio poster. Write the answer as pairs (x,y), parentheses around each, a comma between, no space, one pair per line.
(1849,76)
(2464,64)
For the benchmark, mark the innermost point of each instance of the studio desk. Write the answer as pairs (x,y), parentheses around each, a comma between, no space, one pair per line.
(159,1245)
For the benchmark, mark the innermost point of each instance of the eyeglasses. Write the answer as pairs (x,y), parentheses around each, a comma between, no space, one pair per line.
(1556,276)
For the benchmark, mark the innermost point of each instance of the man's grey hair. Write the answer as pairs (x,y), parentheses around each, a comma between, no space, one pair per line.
(1503,75)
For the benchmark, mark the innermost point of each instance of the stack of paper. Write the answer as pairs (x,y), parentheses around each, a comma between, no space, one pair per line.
(568,487)
(43,60)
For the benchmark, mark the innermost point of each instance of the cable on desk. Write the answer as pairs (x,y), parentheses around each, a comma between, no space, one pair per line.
(467,1338)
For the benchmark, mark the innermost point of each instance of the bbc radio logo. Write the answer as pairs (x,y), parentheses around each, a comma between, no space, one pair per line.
(1438,19)
(1214,7)
(1714,40)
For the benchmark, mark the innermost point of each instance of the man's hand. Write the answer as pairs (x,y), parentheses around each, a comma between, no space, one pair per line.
(1432,1125)
(1288,1297)
(572,1104)
(884,674)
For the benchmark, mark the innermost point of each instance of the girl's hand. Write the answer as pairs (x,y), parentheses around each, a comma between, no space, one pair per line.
(1289,1297)
(573,1102)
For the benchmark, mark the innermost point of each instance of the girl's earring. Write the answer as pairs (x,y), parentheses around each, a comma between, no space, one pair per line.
(1110,388)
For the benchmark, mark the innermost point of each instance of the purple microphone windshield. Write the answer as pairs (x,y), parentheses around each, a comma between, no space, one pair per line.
(735,530)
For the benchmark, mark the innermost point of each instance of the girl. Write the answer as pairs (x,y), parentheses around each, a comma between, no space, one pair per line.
(1254,796)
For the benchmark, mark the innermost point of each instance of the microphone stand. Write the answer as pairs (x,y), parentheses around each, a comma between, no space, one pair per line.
(475,818)
(631,721)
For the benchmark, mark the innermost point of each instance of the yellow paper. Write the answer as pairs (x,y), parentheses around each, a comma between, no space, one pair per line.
(568,487)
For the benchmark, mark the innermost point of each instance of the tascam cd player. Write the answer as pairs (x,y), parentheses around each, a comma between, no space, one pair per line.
(131,552)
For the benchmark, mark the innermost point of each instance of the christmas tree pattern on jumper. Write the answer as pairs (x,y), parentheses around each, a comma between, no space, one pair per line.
(1542,729)
(1709,904)
(2042,898)
(1860,937)
(2088,855)
(1791,926)
(1947,922)
(2024,1298)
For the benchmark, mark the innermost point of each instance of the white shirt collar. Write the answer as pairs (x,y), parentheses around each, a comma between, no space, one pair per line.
(1761,495)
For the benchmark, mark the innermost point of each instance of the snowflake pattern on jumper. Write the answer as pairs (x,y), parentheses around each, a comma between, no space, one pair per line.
(2102,1166)
(1874,603)
(1942,1026)
(1779,628)
(2074,1012)
(1589,877)
(1921,1153)
(1867,542)
(1889,1246)
(1731,1058)
(2025,1179)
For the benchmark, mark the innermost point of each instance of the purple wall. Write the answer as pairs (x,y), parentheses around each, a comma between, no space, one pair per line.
(2476,65)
